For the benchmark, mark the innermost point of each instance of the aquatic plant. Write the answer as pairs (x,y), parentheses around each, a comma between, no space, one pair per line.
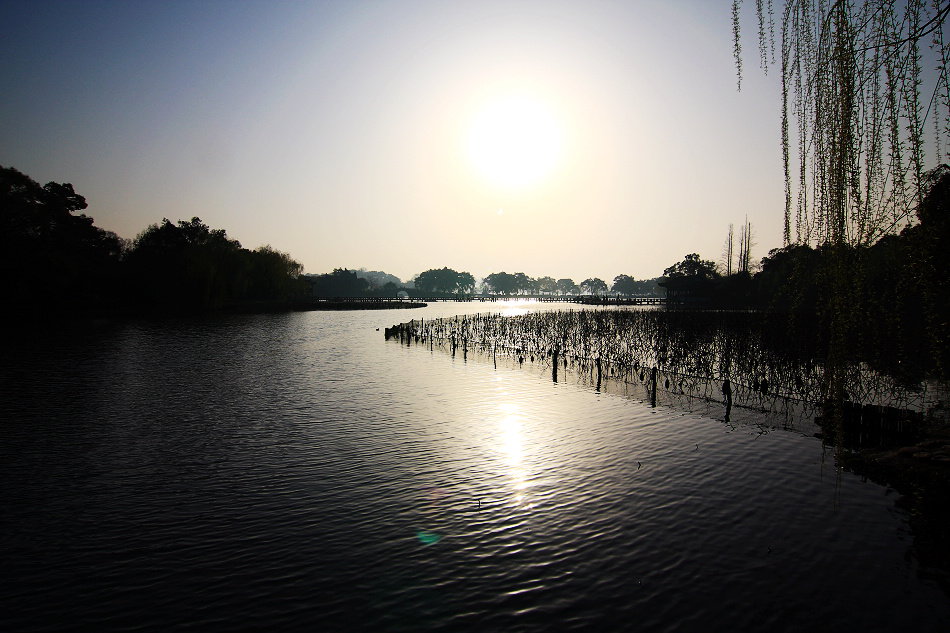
(747,359)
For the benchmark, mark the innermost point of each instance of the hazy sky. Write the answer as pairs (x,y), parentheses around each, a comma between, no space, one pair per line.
(341,132)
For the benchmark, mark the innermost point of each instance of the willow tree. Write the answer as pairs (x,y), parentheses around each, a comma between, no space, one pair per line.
(864,82)
(868,111)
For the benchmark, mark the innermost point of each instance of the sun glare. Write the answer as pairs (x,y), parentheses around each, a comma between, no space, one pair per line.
(515,142)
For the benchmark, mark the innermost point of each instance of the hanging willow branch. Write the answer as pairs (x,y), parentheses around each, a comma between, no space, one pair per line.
(852,78)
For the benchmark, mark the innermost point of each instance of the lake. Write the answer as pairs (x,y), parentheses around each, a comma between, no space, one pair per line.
(297,472)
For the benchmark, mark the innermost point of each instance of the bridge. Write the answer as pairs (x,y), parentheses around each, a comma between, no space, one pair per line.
(584,299)
(581,299)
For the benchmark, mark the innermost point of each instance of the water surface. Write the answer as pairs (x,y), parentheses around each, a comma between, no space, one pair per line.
(296,472)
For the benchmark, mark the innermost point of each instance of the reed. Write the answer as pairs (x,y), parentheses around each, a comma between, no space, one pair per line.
(742,359)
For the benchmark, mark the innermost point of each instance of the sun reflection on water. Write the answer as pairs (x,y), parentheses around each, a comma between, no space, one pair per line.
(517,307)
(512,447)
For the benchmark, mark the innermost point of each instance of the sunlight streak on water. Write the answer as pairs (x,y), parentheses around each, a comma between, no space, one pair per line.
(516,307)
(512,448)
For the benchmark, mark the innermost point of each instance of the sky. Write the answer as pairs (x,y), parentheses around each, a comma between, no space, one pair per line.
(348,133)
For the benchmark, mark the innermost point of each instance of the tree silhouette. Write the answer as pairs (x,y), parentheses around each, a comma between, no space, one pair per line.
(190,266)
(444,280)
(594,286)
(274,275)
(547,285)
(502,283)
(567,287)
(624,285)
(926,254)
(694,267)
(466,282)
(337,284)
(524,283)
(51,253)
(185,266)
(61,258)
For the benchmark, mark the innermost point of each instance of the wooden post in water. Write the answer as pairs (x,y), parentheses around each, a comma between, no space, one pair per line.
(727,392)
(654,376)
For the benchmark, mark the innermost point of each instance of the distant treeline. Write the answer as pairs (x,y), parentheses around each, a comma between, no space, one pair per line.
(509,284)
(446,281)
(55,259)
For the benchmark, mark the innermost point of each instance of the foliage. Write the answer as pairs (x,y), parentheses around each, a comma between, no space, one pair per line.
(189,266)
(339,283)
(898,291)
(627,286)
(466,282)
(444,280)
(594,286)
(546,285)
(504,283)
(788,280)
(915,270)
(567,287)
(377,279)
(61,258)
(274,275)
(851,78)
(624,285)
(694,267)
(51,253)
(524,283)
(518,283)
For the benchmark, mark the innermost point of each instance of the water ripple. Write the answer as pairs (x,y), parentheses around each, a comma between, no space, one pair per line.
(295,472)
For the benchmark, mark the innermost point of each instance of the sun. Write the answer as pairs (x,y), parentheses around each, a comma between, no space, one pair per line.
(515,142)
